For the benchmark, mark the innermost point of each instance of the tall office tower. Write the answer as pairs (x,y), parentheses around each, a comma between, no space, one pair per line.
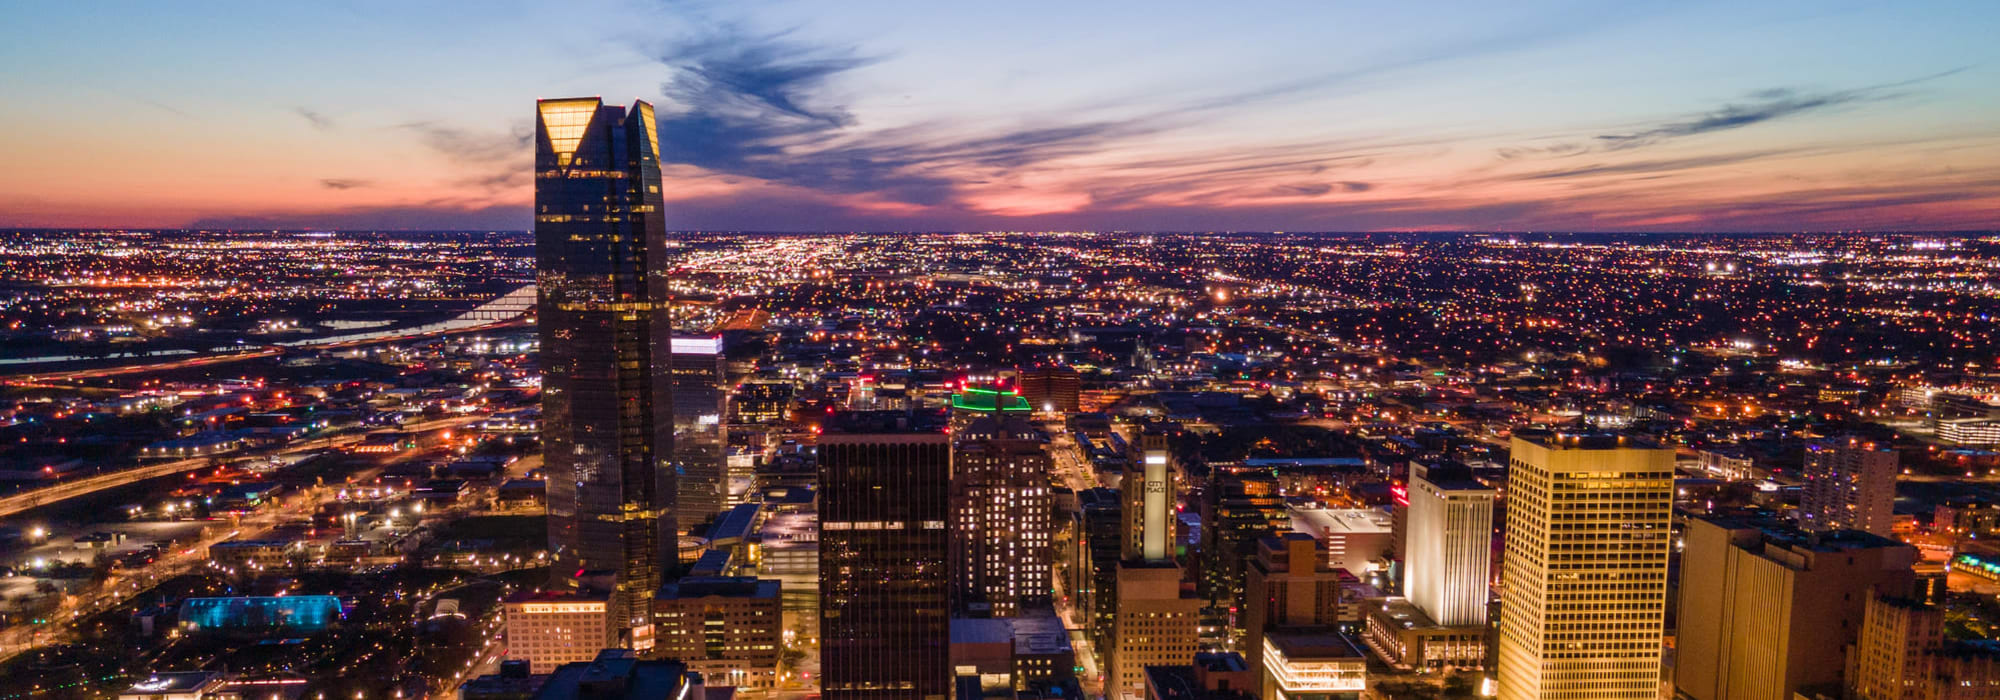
(607,423)
(1051,388)
(1001,527)
(884,492)
(701,454)
(1895,654)
(1097,576)
(1240,507)
(1288,586)
(1588,531)
(1450,547)
(1148,489)
(1157,619)
(1849,486)
(1767,610)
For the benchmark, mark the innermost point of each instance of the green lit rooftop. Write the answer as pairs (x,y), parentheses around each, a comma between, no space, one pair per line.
(989,401)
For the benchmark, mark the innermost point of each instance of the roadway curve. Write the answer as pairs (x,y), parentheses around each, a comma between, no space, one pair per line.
(27,500)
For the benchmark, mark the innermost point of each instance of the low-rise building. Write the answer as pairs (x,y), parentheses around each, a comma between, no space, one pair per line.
(728,628)
(552,629)
(1408,640)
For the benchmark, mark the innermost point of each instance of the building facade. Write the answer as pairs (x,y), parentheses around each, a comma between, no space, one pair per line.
(1052,389)
(1001,522)
(1768,610)
(549,630)
(1288,584)
(607,423)
(1450,550)
(884,560)
(728,628)
(701,439)
(1850,485)
(1585,567)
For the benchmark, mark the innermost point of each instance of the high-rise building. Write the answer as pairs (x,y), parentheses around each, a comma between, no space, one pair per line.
(1240,507)
(1148,489)
(607,408)
(884,508)
(1052,389)
(1450,549)
(1096,575)
(1902,654)
(1001,526)
(1895,654)
(1287,585)
(1768,610)
(1158,618)
(1850,485)
(1588,532)
(701,405)
(1156,624)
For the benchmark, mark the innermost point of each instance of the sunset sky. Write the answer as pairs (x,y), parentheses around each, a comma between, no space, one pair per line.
(1334,115)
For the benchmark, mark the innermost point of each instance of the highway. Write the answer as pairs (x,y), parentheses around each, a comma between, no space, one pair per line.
(122,585)
(27,500)
(53,380)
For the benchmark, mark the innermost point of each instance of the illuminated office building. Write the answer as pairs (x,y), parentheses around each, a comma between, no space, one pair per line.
(884,492)
(1448,558)
(1588,532)
(701,400)
(1148,489)
(607,423)
(729,629)
(1001,527)
(1157,618)
(549,630)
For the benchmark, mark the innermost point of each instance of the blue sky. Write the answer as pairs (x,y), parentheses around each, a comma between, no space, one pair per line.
(1179,116)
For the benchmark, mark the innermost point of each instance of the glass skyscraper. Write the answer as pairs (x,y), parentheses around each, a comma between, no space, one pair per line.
(607,409)
(701,440)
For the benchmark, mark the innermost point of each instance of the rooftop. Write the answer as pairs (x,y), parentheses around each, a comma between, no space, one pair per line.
(1567,440)
(1340,521)
(989,401)
(723,586)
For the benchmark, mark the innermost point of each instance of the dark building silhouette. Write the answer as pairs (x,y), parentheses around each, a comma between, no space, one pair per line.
(884,509)
(1052,388)
(607,423)
(1096,575)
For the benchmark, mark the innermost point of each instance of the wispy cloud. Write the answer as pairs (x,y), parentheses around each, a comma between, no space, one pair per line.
(1761,106)
(317,120)
(1665,165)
(468,146)
(336,183)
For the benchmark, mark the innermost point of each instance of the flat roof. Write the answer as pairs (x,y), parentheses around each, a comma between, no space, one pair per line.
(1340,521)
(1314,645)
(1583,440)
